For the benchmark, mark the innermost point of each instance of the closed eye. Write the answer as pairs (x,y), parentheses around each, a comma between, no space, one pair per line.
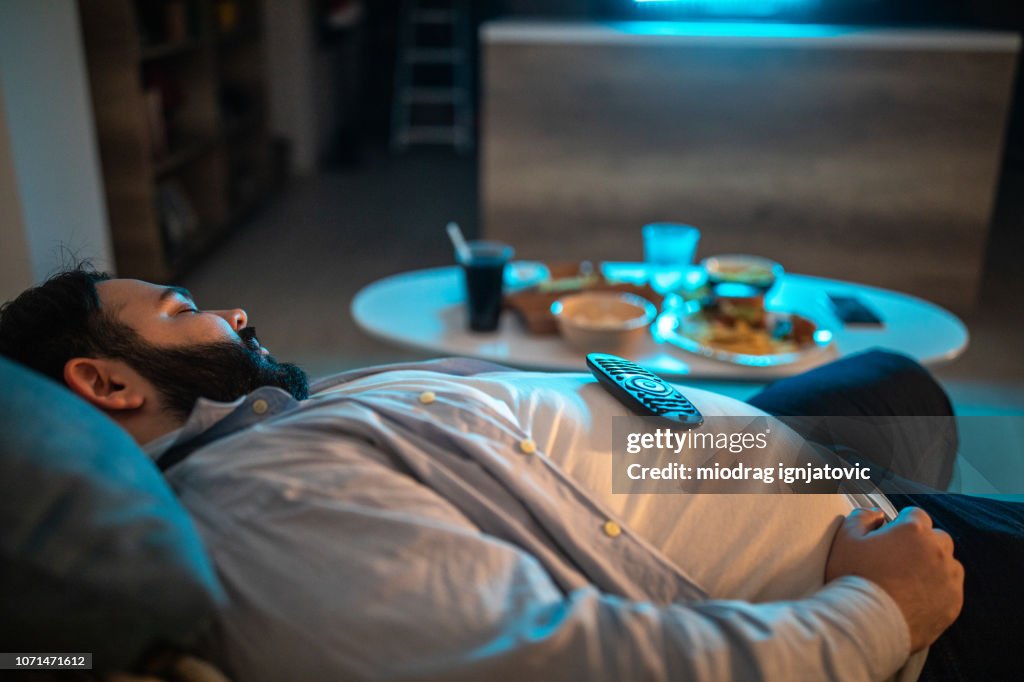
(187,310)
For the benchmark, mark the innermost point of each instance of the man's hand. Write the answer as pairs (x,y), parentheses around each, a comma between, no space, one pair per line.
(907,558)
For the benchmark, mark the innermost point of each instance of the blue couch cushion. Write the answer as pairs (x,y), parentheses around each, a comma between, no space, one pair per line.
(96,553)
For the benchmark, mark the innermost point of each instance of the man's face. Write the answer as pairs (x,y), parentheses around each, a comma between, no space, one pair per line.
(187,353)
(167,316)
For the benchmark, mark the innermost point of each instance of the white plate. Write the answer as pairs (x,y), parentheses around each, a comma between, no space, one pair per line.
(669,325)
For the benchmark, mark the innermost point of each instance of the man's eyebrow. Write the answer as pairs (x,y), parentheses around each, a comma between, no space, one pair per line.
(170,292)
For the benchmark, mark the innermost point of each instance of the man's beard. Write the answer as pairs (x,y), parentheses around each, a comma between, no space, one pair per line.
(221,371)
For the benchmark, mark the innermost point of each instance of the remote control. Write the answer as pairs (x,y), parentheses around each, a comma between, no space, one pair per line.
(642,391)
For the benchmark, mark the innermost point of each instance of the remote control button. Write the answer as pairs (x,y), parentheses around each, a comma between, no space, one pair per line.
(648,385)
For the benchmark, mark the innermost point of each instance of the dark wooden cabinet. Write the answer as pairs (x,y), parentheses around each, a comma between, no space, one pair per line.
(180,104)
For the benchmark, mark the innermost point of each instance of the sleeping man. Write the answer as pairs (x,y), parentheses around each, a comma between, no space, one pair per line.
(454,520)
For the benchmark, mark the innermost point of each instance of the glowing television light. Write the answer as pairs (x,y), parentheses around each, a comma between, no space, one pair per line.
(750,8)
(731,29)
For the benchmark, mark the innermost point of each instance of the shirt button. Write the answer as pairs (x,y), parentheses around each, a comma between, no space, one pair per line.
(427,397)
(612,529)
(260,406)
(527,446)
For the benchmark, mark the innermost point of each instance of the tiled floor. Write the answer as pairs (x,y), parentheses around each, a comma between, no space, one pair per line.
(297,265)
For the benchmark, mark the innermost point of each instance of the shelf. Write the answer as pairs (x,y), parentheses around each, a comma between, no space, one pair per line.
(160,69)
(238,130)
(182,155)
(167,50)
(239,37)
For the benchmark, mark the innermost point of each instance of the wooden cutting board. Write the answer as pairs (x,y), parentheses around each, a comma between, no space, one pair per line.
(533,305)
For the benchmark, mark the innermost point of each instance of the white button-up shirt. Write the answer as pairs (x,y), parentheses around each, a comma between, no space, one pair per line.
(372,533)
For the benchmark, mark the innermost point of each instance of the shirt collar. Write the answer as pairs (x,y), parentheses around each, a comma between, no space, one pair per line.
(158,445)
(204,414)
(211,420)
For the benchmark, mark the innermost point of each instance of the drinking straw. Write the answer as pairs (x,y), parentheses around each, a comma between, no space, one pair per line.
(459,242)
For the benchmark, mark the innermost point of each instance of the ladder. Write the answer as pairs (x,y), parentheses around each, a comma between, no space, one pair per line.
(432,101)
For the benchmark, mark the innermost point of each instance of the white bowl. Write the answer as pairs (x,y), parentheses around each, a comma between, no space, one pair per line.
(603,321)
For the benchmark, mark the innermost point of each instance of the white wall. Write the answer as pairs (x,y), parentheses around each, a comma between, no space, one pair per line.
(51,140)
(15,265)
(291,68)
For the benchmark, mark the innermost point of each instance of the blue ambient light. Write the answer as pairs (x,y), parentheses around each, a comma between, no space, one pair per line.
(730,29)
(749,8)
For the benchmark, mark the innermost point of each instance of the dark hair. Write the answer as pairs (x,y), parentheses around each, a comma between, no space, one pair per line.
(58,320)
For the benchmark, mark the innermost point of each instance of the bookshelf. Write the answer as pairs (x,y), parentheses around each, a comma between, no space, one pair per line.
(180,103)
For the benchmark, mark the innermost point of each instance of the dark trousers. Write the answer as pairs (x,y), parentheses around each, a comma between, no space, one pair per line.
(987,641)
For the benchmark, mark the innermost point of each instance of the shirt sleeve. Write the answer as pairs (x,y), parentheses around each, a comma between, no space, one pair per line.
(324,586)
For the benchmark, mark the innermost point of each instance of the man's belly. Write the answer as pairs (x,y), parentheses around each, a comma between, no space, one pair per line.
(752,547)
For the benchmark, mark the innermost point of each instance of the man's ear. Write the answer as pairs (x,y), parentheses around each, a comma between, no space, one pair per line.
(108,384)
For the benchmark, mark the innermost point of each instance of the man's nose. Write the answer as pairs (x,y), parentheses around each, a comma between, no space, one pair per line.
(236,317)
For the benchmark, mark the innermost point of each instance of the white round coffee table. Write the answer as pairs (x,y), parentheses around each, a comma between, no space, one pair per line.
(425,310)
